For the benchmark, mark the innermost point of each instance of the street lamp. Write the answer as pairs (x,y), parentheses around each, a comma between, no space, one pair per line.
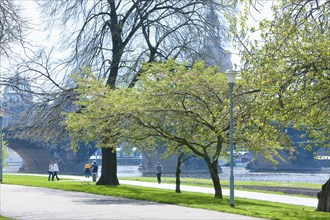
(231,82)
(1,121)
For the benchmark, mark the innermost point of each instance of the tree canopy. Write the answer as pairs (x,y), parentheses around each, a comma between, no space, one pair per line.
(113,38)
(290,66)
(178,105)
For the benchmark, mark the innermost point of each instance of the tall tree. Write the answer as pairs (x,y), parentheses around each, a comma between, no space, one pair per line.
(289,64)
(115,37)
(291,67)
(177,106)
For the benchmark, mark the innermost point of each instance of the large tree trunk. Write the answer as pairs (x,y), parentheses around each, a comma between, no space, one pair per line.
(109,168)
(324,198)
(213,168)
(177,174)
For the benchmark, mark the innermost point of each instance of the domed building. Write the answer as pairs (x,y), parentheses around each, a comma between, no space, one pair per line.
(16,99)
(18,90)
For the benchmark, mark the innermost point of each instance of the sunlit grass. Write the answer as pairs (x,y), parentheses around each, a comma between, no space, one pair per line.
(225,183)
(4,218)
(261,209)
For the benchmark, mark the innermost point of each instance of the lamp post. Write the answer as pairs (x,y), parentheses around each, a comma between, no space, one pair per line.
(231,82)
(1,121)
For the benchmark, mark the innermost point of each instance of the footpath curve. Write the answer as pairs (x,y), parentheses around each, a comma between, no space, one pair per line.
(295,200)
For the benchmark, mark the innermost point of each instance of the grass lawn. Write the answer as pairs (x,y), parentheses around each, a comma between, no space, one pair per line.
(261,209)
(4,218)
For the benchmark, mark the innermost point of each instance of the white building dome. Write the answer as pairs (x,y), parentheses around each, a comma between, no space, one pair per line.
(17,90)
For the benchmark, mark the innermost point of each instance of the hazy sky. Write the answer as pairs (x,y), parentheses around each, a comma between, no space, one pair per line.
(38,35)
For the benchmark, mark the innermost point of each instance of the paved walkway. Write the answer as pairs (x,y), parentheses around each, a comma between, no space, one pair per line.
(312,202)
(22,202)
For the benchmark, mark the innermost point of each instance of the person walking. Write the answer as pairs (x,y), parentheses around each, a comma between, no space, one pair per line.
(87,169)
(55,171)
(50,170)
(159,170)
(94,168)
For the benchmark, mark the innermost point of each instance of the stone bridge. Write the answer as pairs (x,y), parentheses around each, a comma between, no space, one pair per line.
(16,98)
(36,157)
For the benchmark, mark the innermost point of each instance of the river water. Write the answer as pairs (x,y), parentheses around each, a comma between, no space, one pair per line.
(240,174)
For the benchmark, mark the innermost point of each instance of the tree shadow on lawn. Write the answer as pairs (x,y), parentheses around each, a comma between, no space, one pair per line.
(206,201)
(242,206)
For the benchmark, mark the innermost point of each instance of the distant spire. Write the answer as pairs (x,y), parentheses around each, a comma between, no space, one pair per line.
(212,52)
(212,19)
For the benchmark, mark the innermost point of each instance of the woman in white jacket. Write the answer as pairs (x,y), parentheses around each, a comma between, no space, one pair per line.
(55,171)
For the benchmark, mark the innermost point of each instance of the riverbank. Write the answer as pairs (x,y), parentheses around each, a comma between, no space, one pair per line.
(240,174)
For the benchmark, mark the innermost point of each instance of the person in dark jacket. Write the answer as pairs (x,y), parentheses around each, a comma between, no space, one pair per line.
(94,168)
(159,170)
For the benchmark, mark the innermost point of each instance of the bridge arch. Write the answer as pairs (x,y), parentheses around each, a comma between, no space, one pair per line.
(34,158)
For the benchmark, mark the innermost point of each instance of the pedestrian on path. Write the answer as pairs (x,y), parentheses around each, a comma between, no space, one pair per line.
(50,170)
(87,169)
(55,171)
(159,170)
(94,168)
